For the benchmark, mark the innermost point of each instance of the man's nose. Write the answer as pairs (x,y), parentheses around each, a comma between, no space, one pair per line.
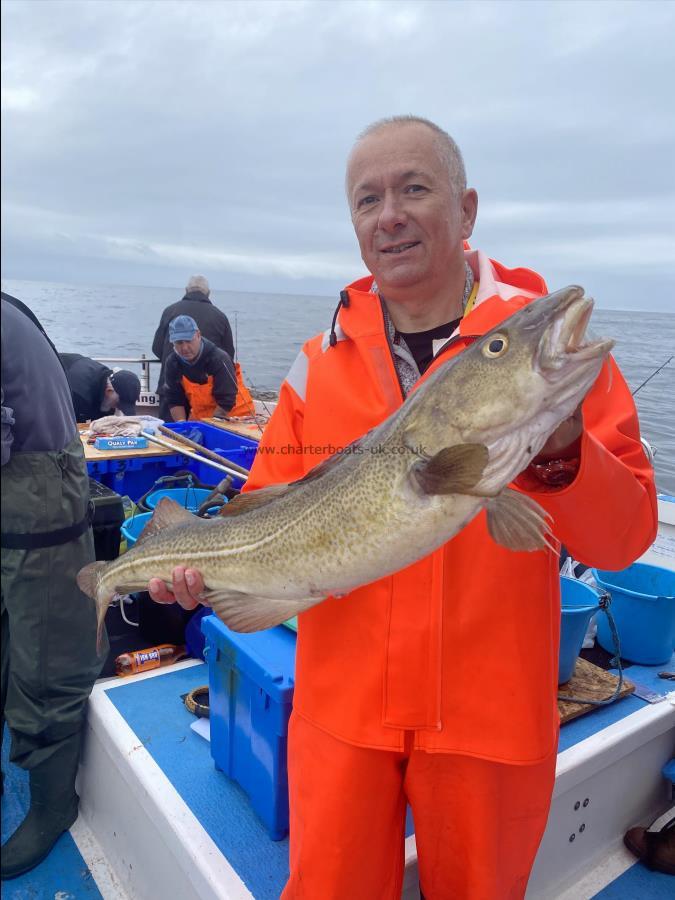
(392,212)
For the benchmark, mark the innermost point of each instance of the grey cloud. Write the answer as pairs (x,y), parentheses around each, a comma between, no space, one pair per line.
(140,135)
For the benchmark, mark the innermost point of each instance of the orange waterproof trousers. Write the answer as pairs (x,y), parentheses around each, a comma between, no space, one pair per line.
(478,824)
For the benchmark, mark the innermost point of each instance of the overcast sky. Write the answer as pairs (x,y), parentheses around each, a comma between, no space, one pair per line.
(146,141)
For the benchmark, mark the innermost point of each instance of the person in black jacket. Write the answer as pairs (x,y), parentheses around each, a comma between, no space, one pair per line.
(212,323)
(97,390)
(200,377)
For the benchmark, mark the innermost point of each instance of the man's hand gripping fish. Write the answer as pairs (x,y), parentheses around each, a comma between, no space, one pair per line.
(395,495)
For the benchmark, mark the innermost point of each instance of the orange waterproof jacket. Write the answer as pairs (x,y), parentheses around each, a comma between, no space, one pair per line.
(461,647)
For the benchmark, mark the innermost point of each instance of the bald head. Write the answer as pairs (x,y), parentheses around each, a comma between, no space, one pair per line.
(445,145)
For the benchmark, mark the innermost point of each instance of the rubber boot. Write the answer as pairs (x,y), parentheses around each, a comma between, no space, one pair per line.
(53,809)
(656,849)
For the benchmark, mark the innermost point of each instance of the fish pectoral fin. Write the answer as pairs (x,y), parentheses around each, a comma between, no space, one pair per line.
(243,612)
(453,470)
(167,514)
(518,522)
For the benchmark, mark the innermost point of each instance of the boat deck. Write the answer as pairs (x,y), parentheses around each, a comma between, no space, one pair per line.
(171,825)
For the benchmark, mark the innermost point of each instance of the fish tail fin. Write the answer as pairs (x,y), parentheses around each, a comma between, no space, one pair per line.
(100,627)
(88,581)
(88,577)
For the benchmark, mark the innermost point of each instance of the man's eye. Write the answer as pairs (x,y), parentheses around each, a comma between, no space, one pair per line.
(414,188)
(366,201)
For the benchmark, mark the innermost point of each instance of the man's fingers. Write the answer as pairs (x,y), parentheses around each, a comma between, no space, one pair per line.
(186,589)
(196,586)
(159,592)
(182,590)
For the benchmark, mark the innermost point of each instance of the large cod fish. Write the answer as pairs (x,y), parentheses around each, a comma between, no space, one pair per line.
(393,496)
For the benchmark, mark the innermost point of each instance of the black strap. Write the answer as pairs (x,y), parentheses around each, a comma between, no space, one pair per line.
(40,540)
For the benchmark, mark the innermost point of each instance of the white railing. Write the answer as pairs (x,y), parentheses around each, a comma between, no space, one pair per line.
(143,361)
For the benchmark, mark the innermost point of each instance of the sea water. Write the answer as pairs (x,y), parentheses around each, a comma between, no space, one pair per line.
(269,329)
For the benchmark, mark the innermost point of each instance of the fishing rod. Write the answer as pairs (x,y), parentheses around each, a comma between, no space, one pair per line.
(655,372)
(236,358)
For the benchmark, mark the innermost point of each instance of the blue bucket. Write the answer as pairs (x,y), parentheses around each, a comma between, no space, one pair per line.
(132,527)
(643,604)
(579,602)
(190,498)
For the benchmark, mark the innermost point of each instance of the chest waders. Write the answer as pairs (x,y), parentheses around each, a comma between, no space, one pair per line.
(49,659)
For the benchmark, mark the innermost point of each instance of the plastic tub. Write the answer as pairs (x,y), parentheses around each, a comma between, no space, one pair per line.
(191,498)
(132,527)
(578,603)
(643,604)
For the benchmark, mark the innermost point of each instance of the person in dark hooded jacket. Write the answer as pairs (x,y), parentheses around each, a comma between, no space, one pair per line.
(212,322)
(97,390)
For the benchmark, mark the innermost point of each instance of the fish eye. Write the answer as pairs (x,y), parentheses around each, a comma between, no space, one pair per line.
(496,346)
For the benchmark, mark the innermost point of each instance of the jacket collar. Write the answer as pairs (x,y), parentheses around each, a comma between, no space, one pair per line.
(496,283)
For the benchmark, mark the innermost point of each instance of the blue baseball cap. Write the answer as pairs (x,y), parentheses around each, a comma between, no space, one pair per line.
(182,328)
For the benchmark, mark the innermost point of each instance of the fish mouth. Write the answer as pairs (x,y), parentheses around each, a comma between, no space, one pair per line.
(565,341)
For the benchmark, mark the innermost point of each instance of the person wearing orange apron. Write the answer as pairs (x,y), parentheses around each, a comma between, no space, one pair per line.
(200,378)
(434,687)
(243,404)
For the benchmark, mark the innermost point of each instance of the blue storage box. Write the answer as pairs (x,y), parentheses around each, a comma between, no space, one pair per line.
(237,449)
(133,476)
(251,681)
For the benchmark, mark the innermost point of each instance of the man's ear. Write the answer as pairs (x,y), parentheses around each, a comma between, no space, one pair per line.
(469,212)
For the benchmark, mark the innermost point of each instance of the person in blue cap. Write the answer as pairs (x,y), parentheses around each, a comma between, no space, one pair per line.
(200,380)
(211,321)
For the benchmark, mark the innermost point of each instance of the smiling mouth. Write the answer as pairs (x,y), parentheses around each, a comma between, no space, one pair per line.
(400,248)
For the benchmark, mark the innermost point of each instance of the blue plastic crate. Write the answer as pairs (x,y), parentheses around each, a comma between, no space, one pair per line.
(133,476)
(238,449)
(251,681)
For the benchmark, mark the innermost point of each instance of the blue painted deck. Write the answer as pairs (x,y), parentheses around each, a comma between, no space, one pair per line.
(155,712)
(638,883)
(64,874)
(222,807)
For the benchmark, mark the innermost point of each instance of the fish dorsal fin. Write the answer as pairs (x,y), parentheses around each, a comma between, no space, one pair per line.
(518,522)
(244,503)
(167,514)
(453,470)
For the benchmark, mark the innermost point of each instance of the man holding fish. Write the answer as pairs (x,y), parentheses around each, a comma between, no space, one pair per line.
(427,646)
